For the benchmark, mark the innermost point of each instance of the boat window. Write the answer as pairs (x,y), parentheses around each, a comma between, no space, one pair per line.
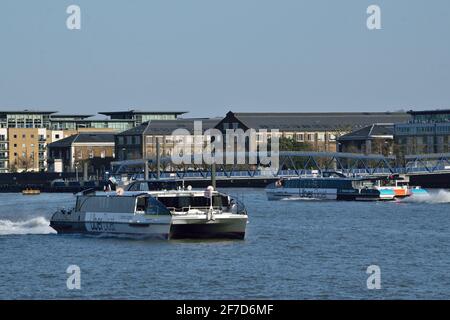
(134,187)
(106,204)
(186,202)
(141,204)
(143,186)
(156,207)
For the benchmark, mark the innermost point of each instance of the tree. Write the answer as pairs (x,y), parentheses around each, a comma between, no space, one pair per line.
(24,163)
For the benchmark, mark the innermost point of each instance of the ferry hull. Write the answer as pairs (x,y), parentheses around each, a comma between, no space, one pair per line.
(106,224)
(325,194)
(200,228)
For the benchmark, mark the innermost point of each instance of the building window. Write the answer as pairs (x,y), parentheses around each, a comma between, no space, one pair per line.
(56,136)
(15,145)
(15,136)
(24,136)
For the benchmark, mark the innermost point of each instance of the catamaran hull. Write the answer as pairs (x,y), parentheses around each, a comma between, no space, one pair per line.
(201,228)
(322,194)
(110,224)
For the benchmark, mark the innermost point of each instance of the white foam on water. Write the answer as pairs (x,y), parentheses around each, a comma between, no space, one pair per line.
(441,196)
(38,225)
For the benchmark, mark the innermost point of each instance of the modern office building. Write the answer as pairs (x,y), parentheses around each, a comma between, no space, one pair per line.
(24,135)
(137,117)
(427,132)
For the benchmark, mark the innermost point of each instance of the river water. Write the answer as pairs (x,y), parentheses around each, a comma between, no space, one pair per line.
(293,250)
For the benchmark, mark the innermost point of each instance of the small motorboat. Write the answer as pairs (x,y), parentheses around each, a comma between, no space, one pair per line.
(31,192)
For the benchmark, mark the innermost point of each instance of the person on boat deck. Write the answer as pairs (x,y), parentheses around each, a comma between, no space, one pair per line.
(111,184)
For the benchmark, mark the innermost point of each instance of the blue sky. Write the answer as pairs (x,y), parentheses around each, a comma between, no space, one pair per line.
(211,56)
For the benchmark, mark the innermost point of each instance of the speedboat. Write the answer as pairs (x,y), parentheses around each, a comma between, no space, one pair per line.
(111,213)
(327,186)
(198,213)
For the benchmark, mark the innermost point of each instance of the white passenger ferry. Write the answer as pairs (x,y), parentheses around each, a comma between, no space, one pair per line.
(109,213)
(197,213)
(171,214)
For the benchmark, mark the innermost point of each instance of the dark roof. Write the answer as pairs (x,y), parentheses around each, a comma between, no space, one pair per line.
(166,127)
(71,116)
(425,112)
(370,132)
(318,121)
(26,111)
(131,112)
(83,137)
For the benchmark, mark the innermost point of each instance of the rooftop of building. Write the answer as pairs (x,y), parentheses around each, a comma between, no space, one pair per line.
(83,137)
(70,116)
(377,130)
(133,111)
(26,111)
(166,127)
(429,112)
(317,121)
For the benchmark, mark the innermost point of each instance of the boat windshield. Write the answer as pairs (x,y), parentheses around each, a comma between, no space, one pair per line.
(363,184)
(153,185)
(151,206)
(186,202)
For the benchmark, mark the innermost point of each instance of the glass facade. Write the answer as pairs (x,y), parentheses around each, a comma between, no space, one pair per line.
(426,133)
(96,124)
(24,120)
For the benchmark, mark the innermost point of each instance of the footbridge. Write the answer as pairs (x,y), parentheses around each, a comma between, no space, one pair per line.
(290,164)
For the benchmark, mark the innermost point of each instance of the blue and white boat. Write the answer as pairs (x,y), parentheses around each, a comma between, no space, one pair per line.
(328,186)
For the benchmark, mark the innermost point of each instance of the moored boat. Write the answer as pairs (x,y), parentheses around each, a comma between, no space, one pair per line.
(31,192)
